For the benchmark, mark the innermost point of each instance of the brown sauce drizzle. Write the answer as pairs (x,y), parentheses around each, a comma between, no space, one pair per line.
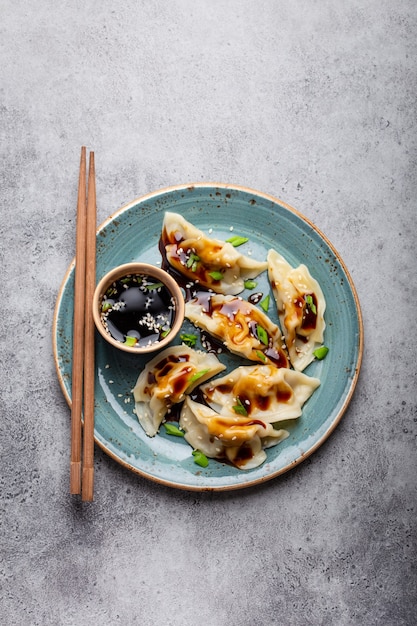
(251,399)
(180,383)
(151,378)
(284,393)
(262,402)
(230,310)
(203,298)
(245,454)
(278,357)
(255,298)
(309,319)
(164,367)
(200,275)
(211,344)
(174,413)
(179,278)
(224,388)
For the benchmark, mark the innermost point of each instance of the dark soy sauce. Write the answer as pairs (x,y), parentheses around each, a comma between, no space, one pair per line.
(309,319)
(138,310)
(183,282)
(255,298)
(308,304)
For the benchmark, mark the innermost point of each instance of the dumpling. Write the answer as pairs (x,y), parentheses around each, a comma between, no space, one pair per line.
(166,379)
(243,328)
(301,306)
(260,392)
(238,439)
(212,263)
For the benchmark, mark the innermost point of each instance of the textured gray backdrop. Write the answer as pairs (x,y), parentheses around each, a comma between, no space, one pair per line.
(311,101)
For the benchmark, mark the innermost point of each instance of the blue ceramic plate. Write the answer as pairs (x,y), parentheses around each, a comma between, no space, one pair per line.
(132,234)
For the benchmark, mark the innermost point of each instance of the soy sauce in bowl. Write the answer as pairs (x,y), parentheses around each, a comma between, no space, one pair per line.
(138,308)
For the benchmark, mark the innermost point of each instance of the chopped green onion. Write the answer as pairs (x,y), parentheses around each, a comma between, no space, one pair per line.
(262,334)
(153,286)
(106,306)
(321,352)
(165,333)
(130,341)
(310,303)
(200,458)
(216,275)
(264,304)
(193,259)
(240,408)
(171,429)
(250,284)
(188,339)
(197,375)
(260,355)
(237,241)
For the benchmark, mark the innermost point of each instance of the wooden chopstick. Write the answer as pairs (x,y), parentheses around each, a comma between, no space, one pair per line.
(83,369)
(89,370)
(78,331)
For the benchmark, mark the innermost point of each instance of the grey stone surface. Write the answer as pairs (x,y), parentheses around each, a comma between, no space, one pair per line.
(313,102)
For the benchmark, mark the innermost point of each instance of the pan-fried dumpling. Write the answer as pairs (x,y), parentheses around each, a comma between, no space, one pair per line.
(301,305)
(212,263)
(243,328)
(166,379)
(260,392)
(236,438)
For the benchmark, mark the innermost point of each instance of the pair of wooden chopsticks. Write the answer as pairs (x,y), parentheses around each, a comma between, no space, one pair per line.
(83,374)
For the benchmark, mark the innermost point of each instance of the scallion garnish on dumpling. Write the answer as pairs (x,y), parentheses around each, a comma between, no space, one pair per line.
(212,263)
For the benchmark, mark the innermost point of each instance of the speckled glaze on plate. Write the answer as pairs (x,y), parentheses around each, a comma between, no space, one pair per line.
(132,234)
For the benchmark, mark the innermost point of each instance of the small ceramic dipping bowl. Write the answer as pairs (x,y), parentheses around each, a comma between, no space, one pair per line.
(138,308)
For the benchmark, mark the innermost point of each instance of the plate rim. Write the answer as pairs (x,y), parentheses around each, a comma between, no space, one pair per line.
(360,339)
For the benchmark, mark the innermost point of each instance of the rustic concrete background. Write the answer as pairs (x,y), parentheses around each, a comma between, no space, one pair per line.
(313,102)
